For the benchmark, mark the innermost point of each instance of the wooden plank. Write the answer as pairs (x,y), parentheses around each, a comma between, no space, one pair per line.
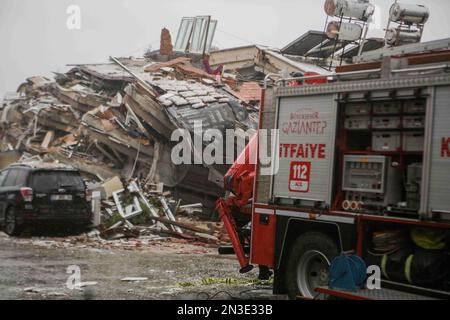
(116,161)
(149,110)
(182,225)
(146,152)
(154,168)
(148,118)
(48,139)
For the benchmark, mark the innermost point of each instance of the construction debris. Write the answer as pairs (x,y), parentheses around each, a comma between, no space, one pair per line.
(86,284)
(114,122)
(111,186)
(134,279)
(133,212)
(166,47)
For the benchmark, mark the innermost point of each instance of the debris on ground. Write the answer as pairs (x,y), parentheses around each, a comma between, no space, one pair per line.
(226,281)
(86,284)
(133,218)
(116,119)
(149,214)
(114,122)
(134,279)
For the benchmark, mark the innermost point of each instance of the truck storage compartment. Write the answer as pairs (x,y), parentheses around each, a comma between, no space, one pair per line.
(413,141)
(383,178)
(383,108)
(386,122)
(357,109)
(413,122)
(306,149)
(370,182)
(410,255)
(438,202)
(413,185)
(414,106)
(386,141)
(364,173)
(263,238)
(357,123)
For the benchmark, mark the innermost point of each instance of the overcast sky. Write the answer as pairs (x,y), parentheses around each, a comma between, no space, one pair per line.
(35,40)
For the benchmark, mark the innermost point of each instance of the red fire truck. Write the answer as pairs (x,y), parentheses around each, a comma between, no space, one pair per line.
(361,164)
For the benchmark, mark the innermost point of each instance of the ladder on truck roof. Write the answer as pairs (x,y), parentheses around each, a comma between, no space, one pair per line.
(441,44)
(370,64)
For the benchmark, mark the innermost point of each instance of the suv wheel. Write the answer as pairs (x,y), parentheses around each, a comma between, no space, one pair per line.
(309,263)
(11,227)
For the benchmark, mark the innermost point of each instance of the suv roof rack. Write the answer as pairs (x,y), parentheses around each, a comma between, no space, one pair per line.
(43,165)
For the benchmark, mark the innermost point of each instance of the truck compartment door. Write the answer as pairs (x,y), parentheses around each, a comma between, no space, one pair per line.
(307,130)
(263,237)
(439,174)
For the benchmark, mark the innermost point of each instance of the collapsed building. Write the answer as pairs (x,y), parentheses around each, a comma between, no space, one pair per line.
(108,121)
(117,118)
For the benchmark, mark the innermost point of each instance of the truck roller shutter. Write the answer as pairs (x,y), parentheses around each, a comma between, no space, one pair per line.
(307,129)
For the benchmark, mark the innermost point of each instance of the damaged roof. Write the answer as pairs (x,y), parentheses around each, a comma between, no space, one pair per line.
(250,91)
(303,66)
(116,119)
(111,71)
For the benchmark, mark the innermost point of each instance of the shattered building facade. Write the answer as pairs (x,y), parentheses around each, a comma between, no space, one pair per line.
(117,118)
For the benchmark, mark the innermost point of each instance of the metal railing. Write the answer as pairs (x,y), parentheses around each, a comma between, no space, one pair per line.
(336,76)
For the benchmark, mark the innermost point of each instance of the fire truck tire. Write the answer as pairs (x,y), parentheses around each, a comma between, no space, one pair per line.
(308,264)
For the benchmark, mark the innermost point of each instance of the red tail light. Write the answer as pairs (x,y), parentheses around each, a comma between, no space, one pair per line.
(27,194)
(88,195)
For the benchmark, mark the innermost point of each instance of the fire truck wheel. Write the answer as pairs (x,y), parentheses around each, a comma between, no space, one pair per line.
(308,264)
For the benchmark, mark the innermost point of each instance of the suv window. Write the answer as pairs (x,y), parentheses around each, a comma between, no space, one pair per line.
(21,177)
(3,176)
(16,177)
(48,181)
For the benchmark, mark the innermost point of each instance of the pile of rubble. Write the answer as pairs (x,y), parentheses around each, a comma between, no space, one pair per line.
(114,122)
(116,119)
(134,212)
(137,214)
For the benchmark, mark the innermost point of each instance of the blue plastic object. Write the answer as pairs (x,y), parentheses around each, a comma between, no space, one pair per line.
(347,273)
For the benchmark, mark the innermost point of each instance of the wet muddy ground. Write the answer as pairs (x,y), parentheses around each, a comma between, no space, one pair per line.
(37,268)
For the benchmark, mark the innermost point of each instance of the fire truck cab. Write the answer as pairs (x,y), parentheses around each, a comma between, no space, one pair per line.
(361,164)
